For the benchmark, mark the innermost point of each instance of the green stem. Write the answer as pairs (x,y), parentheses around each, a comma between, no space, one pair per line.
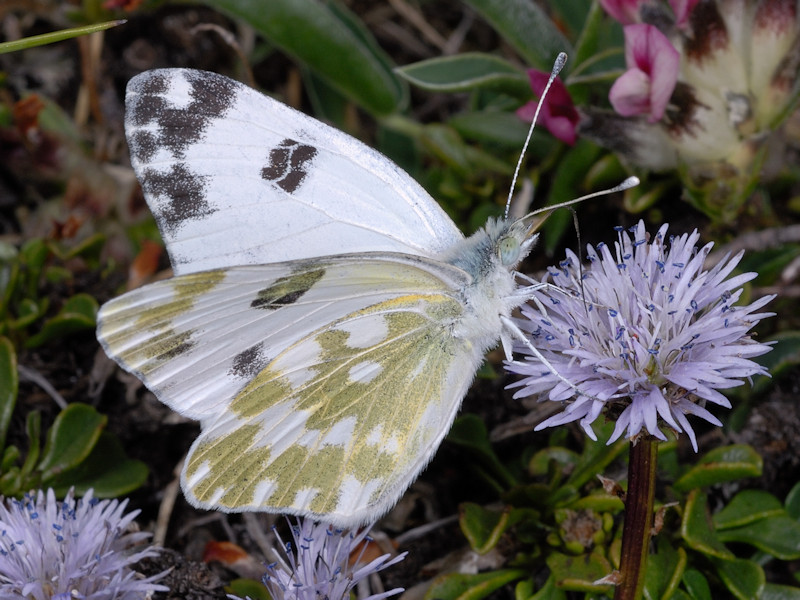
(638,518)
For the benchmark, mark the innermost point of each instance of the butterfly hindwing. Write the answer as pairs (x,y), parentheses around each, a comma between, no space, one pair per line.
(322,386)
(234,177)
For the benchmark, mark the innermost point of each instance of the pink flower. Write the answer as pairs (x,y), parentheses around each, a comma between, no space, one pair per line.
(628,12)
(624,11)
(682,8)
(558,112)
(653,64)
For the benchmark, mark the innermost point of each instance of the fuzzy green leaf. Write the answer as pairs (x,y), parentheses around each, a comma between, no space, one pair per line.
(331,41)
(466,72)
(526,26)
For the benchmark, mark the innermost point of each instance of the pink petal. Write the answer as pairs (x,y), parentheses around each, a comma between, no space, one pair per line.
(648,52)
(558,111)
(624,11)
(682,8)
(630,94)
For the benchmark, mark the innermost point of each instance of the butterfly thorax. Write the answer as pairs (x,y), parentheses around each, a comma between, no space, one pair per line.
(493,292)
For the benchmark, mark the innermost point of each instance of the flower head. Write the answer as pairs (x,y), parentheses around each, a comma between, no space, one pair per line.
(653,64)
(317,564)
(711,111)
(75,548)
(558,111)
(645,332)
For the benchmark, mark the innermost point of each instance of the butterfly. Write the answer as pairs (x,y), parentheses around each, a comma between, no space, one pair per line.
(326,316)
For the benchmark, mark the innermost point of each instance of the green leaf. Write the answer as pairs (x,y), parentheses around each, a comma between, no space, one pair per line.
(55,36)
(248,588)
(777,535)
(469,431)
(596,456)
(79,313)
(779,592)
(9,384)
(663,570)
(578,573)
(542,462)
(497,127)
(107,470)
(484,527)
(466,72)
(528,29)
(747,507)
(743,578)
(549,591)
(793,502)
(696,528)
(696,584)
(331,41)
(459,586)
(33,429)
(10,457)
(71,438)
(728,463)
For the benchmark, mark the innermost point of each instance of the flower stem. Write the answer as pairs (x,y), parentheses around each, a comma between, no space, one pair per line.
(638,517)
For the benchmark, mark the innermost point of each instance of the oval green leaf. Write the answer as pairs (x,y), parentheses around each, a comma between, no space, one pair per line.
(578,573)
(459,586)
(720,465)
(107,470)
(696,585)
(71,439)
(743,578)
(9,384)
(778,536)
(780,592)
(747,507)
(79,313)
(697,530)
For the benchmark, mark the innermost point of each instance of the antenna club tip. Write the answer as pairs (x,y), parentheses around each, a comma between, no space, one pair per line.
(630,182)
(559,63)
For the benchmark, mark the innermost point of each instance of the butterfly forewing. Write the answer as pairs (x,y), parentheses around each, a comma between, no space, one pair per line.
(322,386)
(236,178)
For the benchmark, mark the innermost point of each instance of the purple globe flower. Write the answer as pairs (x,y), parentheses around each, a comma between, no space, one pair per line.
(71,549)
(317,564)
(645,334)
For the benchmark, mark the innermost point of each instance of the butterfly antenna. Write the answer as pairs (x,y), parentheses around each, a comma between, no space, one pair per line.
(561,60)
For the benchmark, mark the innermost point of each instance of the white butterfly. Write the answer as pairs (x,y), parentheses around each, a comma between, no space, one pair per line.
(326,317)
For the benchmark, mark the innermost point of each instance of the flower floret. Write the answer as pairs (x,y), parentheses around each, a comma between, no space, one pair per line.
(72,548)
(643,333)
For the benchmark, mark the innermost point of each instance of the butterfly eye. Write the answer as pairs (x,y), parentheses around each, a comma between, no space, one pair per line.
(509,250)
